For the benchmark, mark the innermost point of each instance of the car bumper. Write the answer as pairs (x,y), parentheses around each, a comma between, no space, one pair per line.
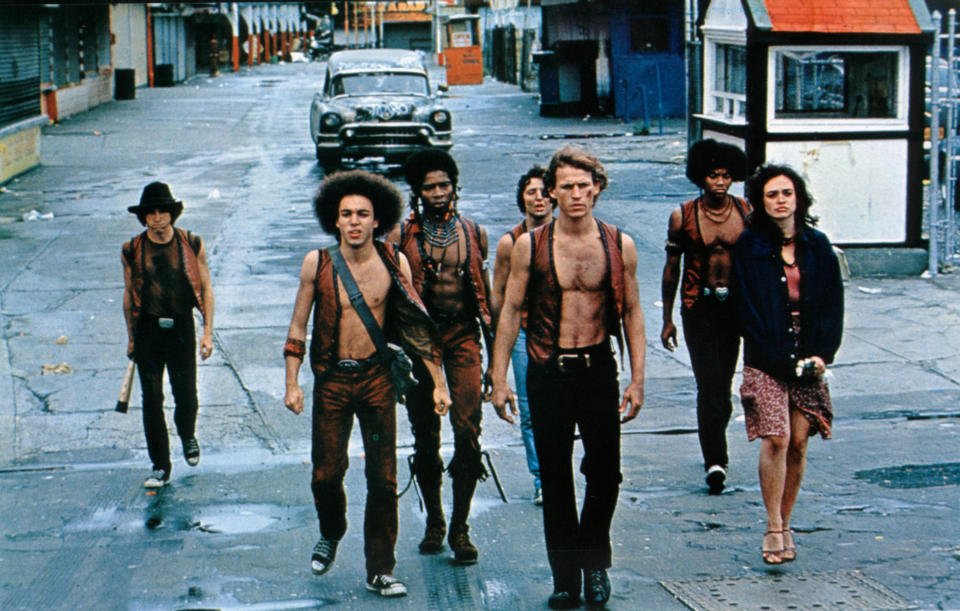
(383,139)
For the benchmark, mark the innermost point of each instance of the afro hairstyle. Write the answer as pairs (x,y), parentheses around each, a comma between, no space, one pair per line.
(708,155)
(386,199)
(419,164)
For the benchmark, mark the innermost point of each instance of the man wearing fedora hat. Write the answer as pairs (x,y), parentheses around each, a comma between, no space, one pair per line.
(165,276)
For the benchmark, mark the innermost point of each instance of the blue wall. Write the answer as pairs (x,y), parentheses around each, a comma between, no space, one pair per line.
(655,78)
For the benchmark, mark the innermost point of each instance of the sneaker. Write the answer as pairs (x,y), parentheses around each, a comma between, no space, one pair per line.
(386,585)
(323,554)
(191,451)
(716,479)
(158,479)
(432,541)
(464,552)
(537,496)
(596,586)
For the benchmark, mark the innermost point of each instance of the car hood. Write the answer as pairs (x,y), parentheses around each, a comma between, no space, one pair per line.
(383,107)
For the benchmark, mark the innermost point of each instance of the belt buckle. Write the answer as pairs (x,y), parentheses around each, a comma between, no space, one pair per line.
(165,323)
(349,365)
(561,360)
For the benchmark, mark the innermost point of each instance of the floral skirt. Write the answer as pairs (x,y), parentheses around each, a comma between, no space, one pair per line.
(767,403)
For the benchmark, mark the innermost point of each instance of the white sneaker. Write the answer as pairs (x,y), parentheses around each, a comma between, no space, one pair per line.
(158,479)
(387,586)
(538,496)
(716,479)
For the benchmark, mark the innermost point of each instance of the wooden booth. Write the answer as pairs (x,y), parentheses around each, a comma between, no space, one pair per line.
(462,53)
(834,88)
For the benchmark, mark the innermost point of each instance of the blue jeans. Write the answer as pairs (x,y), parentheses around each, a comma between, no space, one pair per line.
(519,359)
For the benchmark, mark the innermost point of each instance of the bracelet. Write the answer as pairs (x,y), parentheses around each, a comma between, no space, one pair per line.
(294,347)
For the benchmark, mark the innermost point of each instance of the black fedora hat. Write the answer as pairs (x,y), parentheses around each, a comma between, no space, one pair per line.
(157,196)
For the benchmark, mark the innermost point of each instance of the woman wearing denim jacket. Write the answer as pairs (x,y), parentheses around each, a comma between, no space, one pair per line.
(790,307)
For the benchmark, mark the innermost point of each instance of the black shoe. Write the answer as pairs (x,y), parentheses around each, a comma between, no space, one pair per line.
(564,600)
(716,479)
(596,586)
(191,451)
(464,552)
(323,554)
(387,586)
(432,541)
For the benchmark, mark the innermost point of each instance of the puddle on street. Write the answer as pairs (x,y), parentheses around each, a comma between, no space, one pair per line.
(913,476)
(237,519)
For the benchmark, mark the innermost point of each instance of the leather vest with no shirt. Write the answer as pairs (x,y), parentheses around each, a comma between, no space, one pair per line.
(694,250)
(406,317)
(544,295)
(410,234)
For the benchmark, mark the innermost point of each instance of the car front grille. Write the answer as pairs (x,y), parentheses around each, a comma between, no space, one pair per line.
(385,134)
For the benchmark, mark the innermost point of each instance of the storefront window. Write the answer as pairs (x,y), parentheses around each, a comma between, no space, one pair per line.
(836,84)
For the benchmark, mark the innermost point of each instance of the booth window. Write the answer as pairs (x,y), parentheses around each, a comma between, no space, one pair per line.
(837,84)
(728,96)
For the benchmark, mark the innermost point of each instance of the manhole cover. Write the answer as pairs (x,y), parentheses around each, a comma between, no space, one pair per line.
(813,591)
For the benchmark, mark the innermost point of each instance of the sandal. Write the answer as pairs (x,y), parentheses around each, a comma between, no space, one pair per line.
(773,556)
(789,553)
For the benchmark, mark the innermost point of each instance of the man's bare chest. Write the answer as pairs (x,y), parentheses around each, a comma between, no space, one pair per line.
(581,265)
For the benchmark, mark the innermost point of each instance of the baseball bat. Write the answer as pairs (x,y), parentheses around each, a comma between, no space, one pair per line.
(123,402)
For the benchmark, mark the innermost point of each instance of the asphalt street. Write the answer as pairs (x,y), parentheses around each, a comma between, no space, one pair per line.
(877,518)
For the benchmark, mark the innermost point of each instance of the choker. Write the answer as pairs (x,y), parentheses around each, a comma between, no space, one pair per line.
(788,241)
(440,234)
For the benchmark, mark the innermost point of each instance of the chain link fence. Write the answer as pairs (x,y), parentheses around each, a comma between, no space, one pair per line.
(943,103)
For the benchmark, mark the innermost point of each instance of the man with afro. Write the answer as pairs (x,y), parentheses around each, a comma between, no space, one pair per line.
(350,376)
(703,231)
(447,254)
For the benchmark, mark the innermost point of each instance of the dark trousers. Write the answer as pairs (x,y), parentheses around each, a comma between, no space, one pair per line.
(710,330)
(369,396)
(176,350)
(460,342)
(585,398)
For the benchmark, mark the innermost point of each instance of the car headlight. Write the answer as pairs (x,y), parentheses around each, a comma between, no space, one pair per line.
(330,121)
(440,117)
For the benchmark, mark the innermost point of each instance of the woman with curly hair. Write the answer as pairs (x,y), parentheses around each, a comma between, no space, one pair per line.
(789,298)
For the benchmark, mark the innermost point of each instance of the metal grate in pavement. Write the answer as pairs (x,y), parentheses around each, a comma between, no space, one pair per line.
(815,591)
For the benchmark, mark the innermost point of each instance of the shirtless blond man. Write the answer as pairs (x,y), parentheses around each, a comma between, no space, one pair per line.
(578,275)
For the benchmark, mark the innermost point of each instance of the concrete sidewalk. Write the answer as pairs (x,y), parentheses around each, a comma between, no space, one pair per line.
(877,517)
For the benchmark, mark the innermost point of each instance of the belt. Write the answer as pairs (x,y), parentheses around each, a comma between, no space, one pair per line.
(573,362)
(720,293)
(356,365)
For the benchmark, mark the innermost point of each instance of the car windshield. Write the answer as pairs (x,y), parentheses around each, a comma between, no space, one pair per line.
(380,82)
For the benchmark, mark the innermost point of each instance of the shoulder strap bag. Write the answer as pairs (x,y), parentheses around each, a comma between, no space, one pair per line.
(401,367)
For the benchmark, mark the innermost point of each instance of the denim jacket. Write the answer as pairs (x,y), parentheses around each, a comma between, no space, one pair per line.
(763,305)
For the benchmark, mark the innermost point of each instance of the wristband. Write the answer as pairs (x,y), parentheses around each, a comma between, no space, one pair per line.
(294,347)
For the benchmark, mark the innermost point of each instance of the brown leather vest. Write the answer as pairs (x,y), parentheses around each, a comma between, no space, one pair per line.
(544,294)
(134,253)
(515,234)
(518,231)
(406,317)
(409,245)
(694,250)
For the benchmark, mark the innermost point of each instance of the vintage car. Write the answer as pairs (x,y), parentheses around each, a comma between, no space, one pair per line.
(377,103)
